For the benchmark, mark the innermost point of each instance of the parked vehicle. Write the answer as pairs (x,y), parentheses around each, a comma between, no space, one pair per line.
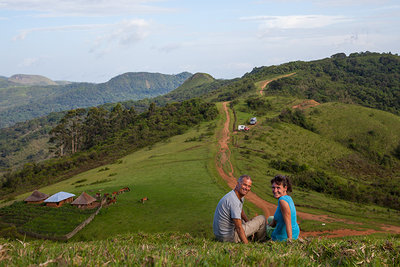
(253,121)
(243,128)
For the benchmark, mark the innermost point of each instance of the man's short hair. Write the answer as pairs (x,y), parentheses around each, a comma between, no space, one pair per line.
(244,176)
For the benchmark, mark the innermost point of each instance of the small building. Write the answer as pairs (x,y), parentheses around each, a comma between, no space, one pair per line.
(36,197)
(85,201)
(58,199)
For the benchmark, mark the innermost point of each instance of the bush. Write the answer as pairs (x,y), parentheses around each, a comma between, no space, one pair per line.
(288,166)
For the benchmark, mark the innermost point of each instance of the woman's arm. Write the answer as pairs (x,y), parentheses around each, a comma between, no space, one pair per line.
(285,209)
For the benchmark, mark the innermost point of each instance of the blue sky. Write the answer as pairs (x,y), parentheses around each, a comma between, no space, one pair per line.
(95,40)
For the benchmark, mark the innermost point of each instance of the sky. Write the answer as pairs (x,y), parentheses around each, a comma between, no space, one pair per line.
(95,40)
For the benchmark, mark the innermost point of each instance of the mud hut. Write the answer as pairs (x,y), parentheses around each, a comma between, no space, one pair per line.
(85,201)
(58,199)
(36,197)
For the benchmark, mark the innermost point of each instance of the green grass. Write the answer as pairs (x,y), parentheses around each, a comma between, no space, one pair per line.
(364,129)
(44,220)
(177,176)
(172,249)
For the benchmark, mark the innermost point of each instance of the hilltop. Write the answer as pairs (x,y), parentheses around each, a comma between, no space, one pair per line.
(26,79)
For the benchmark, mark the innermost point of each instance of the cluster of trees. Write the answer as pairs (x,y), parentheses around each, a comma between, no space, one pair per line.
(296,117)
(381,192)
(14,139)
(235,89)
(88,138)
(368,79)
(258,105)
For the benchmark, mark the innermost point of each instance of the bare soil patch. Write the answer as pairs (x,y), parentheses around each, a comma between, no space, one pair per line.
(306,104)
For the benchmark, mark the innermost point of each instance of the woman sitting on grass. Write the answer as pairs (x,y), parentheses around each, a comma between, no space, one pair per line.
(284,219)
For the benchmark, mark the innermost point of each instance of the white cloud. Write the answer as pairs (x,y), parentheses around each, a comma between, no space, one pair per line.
(124,33)
(296,22)
(31,61)
(23,33)
(84,7)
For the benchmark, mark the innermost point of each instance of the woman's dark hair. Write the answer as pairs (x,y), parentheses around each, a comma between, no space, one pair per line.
(282,180)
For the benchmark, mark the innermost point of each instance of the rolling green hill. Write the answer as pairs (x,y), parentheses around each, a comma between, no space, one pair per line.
(21,103)
(342,157)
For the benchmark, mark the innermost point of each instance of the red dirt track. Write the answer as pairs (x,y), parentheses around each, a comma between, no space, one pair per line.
(223,159)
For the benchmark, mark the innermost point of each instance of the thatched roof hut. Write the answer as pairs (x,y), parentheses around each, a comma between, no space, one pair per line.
(84,200)
(58,199)
(36,197)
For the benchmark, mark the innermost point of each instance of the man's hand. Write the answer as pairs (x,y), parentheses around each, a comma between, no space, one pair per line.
(240,230)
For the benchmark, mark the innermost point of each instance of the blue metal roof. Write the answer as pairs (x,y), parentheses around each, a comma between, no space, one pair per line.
(60,196)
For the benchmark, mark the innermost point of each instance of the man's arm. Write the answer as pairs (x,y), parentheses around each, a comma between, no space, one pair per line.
(244,217)
(285,209)
(240,230)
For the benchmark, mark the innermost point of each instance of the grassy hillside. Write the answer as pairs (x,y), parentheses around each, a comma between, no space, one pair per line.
(26,102)
(176,175)
(348,155)
(342,159)
(167,249)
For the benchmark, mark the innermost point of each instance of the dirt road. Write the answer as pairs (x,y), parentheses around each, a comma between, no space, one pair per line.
(266,82)
(223,160)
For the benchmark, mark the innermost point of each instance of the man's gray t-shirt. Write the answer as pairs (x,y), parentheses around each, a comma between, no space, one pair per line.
(228,208)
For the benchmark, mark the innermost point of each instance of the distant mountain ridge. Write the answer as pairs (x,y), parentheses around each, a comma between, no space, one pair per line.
(21,102)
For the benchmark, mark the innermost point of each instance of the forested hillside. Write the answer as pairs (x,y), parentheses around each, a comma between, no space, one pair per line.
(368,79)
(20,103)
(27,141)
(86,139)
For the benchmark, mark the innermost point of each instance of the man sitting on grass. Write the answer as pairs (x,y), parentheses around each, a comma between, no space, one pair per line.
(231,223)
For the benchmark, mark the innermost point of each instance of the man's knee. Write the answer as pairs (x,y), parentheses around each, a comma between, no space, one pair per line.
(260,219)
